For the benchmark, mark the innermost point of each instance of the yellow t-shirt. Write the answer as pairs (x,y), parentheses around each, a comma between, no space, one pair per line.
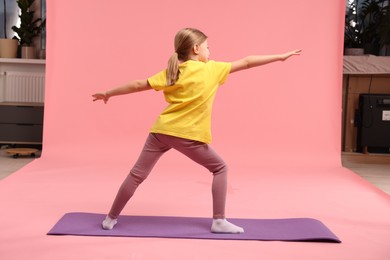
(188,114)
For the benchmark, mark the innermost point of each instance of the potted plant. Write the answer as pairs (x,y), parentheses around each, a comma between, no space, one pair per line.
(361,25)
(8,47)
(30,27)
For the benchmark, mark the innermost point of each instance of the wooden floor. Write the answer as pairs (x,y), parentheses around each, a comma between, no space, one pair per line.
(375,168)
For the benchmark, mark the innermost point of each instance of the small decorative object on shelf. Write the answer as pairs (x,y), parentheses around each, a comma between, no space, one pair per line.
(42,54)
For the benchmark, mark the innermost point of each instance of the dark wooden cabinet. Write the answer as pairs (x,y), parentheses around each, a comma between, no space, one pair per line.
(21,123)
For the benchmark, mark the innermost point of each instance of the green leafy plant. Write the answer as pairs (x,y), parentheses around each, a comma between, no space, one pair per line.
(30,27)
(362,22)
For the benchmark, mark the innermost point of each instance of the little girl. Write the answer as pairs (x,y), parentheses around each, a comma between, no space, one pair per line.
(189,84)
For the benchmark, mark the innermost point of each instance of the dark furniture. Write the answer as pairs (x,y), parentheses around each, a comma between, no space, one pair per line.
(21,123)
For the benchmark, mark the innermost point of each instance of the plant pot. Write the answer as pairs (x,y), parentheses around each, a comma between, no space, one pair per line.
(354,51)
(8,48)
(28,52)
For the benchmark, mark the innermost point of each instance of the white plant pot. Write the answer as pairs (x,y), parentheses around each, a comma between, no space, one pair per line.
(28,52)
(8,48)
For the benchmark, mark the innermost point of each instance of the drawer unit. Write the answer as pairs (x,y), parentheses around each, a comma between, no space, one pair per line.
(21,115)
(19,133)
(21,123)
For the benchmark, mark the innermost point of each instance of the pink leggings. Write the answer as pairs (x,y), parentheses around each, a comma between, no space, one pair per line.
(156,145)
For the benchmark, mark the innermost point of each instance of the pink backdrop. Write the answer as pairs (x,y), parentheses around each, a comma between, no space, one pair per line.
(285,112)
(278,127)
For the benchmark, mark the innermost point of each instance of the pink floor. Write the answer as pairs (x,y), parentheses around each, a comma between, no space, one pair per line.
(33,199)
(278,128)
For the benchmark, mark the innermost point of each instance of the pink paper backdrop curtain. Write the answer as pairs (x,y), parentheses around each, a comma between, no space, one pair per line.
(282,113)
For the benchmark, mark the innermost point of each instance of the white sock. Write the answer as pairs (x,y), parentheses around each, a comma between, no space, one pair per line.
(223,226)
(109,223)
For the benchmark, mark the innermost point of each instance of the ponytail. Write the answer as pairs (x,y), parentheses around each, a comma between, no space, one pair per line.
(185,40)
(173,69)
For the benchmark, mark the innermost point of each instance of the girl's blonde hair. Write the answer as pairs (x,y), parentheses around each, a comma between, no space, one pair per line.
(185,40)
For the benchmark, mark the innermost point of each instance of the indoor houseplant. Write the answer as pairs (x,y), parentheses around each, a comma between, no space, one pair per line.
(30,27)
(8,47)
(362,21)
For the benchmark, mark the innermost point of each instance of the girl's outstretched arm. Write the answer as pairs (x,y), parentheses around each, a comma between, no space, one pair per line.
(259,60)
(131,87)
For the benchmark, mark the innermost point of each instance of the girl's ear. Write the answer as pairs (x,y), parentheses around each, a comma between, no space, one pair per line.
(195,49)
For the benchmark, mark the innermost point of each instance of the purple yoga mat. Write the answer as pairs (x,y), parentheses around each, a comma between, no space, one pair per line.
(291,229)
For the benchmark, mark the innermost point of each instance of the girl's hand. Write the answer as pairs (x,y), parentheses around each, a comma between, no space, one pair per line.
(287,55)
(101,96)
